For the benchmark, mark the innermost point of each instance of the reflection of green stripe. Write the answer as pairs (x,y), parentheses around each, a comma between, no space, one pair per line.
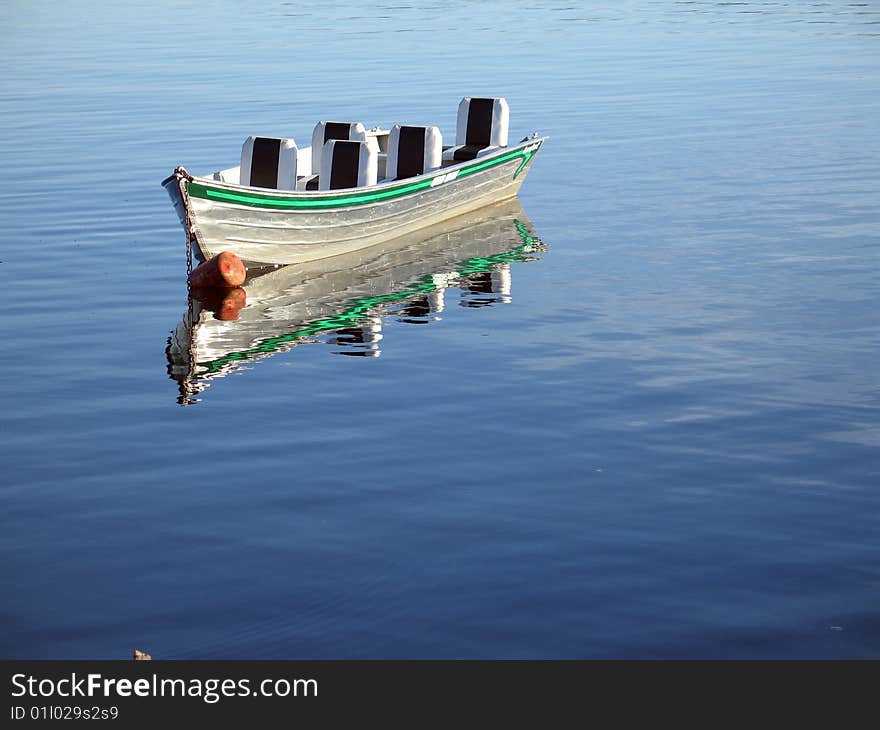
(200,190)
(360,307)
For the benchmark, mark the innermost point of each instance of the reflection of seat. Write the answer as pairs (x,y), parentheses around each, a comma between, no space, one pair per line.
(486,288)
(413,151)
(268,162)
(347,164)
(360,341)
(481,128)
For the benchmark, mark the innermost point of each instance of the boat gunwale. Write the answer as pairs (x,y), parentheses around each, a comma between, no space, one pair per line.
(249,196)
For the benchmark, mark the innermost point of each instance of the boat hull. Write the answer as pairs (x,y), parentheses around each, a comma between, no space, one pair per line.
(276,227)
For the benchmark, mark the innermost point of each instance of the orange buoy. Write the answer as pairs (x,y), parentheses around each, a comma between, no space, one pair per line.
(225,270)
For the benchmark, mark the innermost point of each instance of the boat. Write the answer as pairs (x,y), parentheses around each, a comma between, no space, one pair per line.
(351,188)
(344,300)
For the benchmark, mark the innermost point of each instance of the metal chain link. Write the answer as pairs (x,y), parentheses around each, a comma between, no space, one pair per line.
(190,303)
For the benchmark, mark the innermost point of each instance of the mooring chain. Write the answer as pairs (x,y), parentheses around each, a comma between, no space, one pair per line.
(190,304)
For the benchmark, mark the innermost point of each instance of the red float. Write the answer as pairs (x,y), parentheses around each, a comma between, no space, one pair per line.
(224,271)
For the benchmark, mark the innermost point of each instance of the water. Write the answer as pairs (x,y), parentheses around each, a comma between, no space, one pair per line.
(662,442)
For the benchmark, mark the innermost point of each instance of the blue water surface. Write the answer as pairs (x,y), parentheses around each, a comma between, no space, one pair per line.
(663,442)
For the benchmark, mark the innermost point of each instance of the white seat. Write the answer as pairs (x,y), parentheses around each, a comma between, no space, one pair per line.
(325,131)
(413,151)
(268,162)
(481,128)
(347,164)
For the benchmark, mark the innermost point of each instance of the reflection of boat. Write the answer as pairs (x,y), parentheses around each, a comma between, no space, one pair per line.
(352,188)
(343,299)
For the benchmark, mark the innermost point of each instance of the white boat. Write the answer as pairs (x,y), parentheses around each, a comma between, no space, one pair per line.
(352,188)
(343,300)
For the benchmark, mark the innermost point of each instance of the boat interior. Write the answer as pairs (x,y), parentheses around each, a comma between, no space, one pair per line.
(347,155)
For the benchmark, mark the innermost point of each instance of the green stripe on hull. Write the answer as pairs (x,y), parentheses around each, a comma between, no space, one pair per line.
(257,200)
